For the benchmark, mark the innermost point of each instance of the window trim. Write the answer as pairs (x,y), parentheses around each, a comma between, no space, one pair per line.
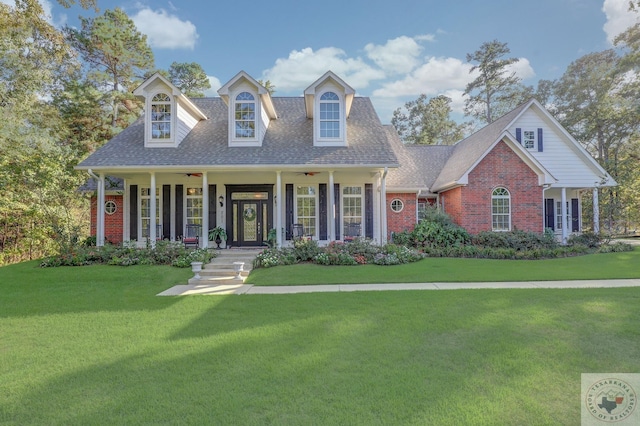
(494,214)
(172,118)
(343,205)
(189,220)
(339,140)
(395,201)
(533,139)
(147,196)
(256,114)
(109,211)
(316,198)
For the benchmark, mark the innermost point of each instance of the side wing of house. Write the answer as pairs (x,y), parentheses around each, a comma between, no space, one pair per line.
(575,170)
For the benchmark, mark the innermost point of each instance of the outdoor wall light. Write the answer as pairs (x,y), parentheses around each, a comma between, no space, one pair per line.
(221,200)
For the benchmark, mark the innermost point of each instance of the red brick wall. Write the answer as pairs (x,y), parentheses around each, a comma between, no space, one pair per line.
(113,223)
(471,208)
(404,220)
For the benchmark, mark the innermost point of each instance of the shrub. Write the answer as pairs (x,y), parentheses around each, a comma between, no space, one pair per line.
(615,247)
(402,238)
(305,249)
(439,234)
(589,239)
(516,239)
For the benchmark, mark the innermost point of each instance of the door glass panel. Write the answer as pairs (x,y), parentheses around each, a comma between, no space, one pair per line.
(250,221)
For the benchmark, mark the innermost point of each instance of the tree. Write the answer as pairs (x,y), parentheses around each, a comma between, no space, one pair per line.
(495,90)
(190,78)
(37,182)
(117,56)
(427,123)
(268,85)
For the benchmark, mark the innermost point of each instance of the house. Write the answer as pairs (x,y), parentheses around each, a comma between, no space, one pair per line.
(322,165)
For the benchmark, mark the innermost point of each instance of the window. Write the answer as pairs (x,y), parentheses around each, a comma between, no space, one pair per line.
(351,207)
(397,205)
(110,207)
(529,139)
(145,210)
(559,215)
(161,116)
(306,210)
(329,116)
(194,206)
(501,210)
(245,116)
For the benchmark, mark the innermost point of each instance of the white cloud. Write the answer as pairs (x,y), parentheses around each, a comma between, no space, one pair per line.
(522,68)
(299,69)
(215,85)
(397,56)
(619,17)
(165,31)
(432,78)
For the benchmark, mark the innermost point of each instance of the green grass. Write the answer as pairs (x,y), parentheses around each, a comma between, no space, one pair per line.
(589,267)
(94,345)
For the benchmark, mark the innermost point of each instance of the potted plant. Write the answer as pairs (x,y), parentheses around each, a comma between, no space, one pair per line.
(217,234)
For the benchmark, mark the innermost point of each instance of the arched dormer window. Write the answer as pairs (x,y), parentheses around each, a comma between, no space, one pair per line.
(245,116)
(161,116)
(500,209)
(329,116)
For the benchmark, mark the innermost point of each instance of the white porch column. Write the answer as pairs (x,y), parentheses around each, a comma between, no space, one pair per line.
(564,215)
(332,208)
(152,207)
(383,209)
(100,212)
(278,206)
(596,212)
(204,238)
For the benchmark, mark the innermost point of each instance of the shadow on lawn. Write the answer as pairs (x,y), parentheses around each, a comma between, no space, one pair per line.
(414,357)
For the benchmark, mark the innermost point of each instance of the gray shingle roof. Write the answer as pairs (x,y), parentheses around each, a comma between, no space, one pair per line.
(288,141)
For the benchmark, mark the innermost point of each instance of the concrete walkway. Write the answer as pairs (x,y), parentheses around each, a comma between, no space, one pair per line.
(241,288)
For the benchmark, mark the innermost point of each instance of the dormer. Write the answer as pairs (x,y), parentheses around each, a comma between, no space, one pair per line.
(250,110)
(169,115)
(328,102)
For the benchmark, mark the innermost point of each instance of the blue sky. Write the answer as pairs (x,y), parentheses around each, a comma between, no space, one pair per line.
(389,51)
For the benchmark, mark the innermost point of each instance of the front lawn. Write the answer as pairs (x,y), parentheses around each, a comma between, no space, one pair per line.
(587,267)
(94,345)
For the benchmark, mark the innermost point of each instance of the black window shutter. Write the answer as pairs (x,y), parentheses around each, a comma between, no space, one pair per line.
(519,135)
(575,219)
(322,201)
(540,140)
(179,217)
(166,212)
(368,210)
(212,207)
(288,195)
(549,213)
(336,194)
(133,212)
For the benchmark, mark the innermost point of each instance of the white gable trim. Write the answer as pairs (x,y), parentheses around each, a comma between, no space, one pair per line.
(143,91)
(263,94)
(310,92)
(575,146)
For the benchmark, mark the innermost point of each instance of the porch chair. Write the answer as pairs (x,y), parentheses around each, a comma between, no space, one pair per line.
(351,231)
(159,236)
(192,236)
(297,230)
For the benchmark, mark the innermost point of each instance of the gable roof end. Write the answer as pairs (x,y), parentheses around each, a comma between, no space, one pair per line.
(310,92)
(265,96)
(185,102)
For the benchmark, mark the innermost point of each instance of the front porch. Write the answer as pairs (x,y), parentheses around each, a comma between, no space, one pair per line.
(326,205)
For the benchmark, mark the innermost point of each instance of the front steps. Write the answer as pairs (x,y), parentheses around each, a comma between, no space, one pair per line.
(221,269)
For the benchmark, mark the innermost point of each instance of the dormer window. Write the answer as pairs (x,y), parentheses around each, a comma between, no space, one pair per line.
(245,116)
(161,116)
(329,116)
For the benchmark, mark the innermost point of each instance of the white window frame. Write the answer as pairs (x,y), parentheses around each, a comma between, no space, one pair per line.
(192,193)
(305,220)
(498,197)
(529,139)
(256,113)
(324,118)
(145,195)
(170,122)
(110,207)
(344,197)
(396,205)
(558,224)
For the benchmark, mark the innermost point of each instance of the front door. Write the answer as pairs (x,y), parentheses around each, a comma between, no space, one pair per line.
(250,219)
